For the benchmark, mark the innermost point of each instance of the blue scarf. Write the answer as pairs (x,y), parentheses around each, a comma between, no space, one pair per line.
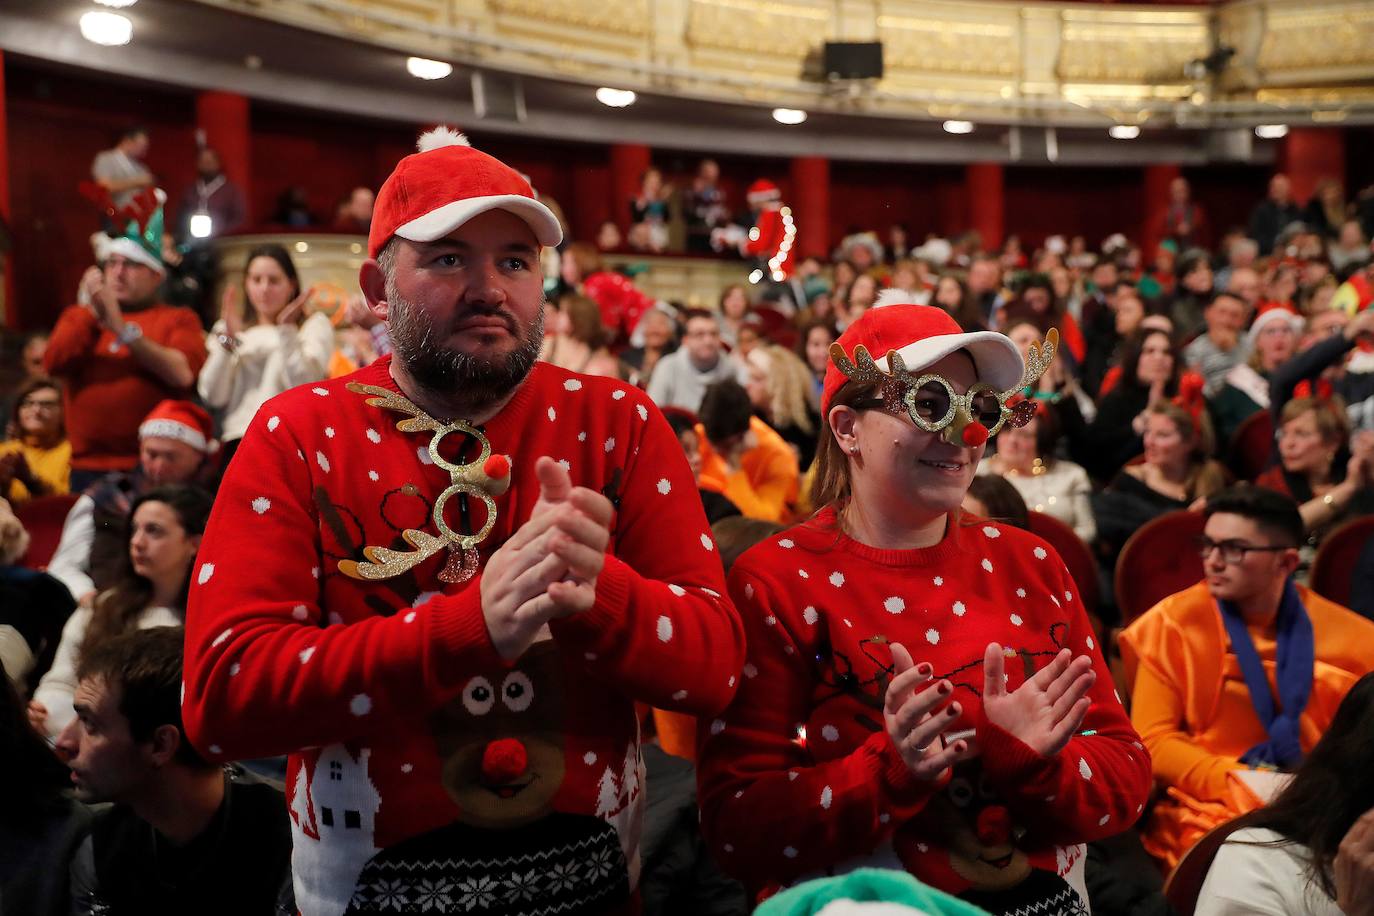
(1295,656)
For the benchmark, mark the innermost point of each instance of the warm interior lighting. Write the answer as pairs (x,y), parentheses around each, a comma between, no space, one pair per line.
(789,115)
(1124,132)
(108,29)
(958,127)
(1271,131)
(116,4)
(201,225)
(426,69)
(615,98)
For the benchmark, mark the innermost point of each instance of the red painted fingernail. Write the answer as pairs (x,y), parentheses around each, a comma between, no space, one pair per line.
(924,670)
(952,711)
(945,687)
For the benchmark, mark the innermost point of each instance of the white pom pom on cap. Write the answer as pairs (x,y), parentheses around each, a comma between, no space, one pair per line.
(893,296)
(440,137)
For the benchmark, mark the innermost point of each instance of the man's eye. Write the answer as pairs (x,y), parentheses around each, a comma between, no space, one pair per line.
(447,260)
(517,264)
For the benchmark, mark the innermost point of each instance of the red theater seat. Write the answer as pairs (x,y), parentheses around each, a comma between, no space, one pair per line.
(1075,554)
(1156,561)
(1335,561)
(1251,445)
(43,519)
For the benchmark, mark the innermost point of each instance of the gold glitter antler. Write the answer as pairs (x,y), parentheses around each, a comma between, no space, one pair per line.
(391,400)
(485,477)
(862,368)
(1039,359)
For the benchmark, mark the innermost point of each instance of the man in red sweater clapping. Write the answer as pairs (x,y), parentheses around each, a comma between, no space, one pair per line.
(440,584)
(121,353)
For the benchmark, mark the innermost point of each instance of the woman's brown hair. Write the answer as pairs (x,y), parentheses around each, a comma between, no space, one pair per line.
(586,257)
(584,320)
(118,607)
(1205,476)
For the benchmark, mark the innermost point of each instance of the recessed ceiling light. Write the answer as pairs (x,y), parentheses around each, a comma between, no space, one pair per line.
(958,127)
(109,29)
(117,4)
(789,115)
(426,69)
(1271,131)
(1124,132)
(615,98)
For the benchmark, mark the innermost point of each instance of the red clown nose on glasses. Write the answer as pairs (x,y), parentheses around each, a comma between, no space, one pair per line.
(914,337)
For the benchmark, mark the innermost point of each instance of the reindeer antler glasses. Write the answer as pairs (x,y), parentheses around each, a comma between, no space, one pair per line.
(931,401)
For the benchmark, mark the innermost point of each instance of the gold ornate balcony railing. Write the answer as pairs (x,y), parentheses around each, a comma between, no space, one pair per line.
(1015,62)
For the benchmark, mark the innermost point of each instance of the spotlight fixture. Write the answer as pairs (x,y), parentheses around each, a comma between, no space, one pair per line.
(789,115)
(425,69)
(1271,131)
(958,127)
(1124,132)
(117,4)
(615,98)
(110,29)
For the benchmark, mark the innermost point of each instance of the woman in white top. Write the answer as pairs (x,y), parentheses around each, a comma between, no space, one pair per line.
(1310,852)
(258,351)
(1055,486)
(165,525)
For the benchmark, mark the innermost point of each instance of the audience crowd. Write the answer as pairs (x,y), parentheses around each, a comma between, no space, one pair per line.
(1228,383)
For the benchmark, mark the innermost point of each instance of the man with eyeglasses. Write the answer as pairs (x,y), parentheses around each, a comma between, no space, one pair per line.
(1240,672)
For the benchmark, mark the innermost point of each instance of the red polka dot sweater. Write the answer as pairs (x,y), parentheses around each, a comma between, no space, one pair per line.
(426,774)
(799,777)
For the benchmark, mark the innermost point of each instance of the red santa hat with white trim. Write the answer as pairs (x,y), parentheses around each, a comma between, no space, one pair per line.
(923,335)
(434,191)
(181,421)
(762,191)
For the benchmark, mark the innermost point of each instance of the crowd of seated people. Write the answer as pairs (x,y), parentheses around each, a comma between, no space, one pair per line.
(130,409)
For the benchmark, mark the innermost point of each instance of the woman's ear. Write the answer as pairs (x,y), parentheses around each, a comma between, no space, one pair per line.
(844,422)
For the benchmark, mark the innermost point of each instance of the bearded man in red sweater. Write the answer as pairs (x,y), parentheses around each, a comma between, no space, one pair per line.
(440,584)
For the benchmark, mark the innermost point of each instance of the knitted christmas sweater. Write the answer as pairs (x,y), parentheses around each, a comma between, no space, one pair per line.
(799,778)
(425,774)
(107,392)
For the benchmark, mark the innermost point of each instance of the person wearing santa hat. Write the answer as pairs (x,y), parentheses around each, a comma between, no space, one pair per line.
(441,583)
(1272,340)
(923,691)
(121,351)
(174,447)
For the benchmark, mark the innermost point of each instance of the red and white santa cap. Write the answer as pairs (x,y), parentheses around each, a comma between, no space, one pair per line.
(181,421)
(434,191)
(923,335)
(1275,312)
(761,191)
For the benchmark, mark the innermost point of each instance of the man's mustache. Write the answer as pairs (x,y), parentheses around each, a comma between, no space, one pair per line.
(485,311)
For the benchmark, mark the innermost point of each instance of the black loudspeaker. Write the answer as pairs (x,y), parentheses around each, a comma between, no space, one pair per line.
(853,60)
(498,96)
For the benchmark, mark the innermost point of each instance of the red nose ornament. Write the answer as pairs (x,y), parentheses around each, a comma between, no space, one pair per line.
(994,826)
(503,761)
(496,467)
(975,434)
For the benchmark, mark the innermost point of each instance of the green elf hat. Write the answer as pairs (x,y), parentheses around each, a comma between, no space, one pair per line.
(866,892)
(141,240)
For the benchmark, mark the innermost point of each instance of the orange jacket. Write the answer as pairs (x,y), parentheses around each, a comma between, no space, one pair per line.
(1193,710)
(766,485)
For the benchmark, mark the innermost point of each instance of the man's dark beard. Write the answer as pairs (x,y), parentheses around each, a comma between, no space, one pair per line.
(451,376)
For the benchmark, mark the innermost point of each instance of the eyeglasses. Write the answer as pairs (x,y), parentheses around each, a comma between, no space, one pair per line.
(932,404)
(42,405)
(1232,552)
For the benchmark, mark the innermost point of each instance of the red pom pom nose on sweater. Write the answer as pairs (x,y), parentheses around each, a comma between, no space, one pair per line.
(994,826)
(503,761)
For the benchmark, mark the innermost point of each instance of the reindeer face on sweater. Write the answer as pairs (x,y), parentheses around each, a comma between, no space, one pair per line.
(501,741)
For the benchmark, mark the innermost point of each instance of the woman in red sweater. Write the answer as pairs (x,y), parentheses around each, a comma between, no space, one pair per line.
(923,690)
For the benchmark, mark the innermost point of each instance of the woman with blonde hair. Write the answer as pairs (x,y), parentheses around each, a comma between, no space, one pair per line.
(1316,464)
(779,386)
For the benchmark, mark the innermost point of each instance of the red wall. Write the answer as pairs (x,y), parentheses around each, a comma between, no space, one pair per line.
(57,124)
(58,120)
